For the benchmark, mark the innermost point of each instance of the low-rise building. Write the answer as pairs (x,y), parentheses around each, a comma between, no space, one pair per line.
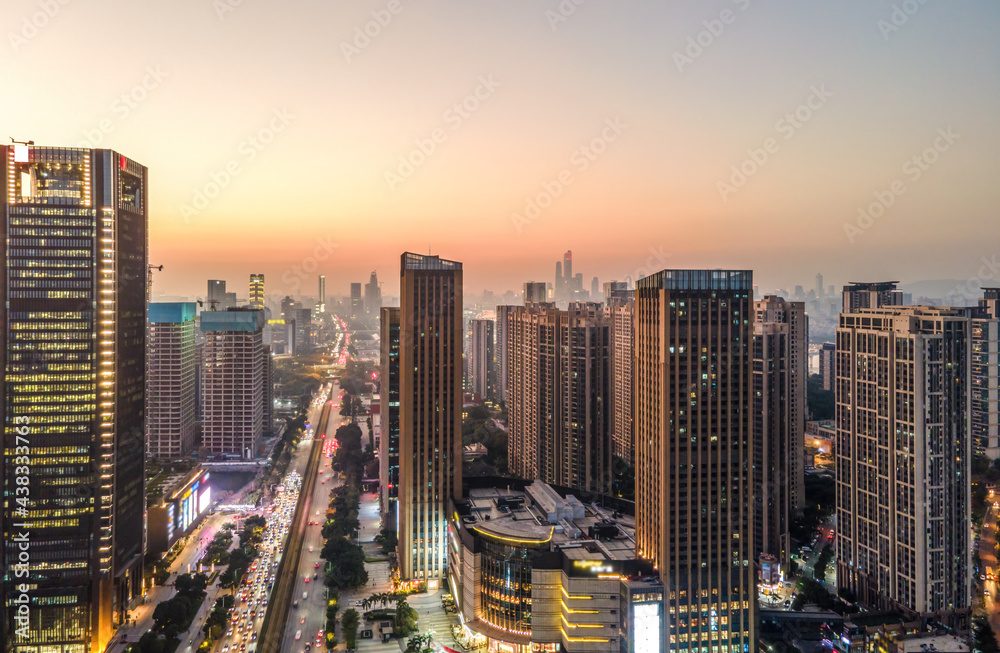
(534,570)
(175,505)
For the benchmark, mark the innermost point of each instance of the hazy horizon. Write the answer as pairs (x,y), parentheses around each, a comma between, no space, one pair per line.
(729,134)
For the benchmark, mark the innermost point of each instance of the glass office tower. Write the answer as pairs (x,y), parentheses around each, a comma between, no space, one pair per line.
(74,327)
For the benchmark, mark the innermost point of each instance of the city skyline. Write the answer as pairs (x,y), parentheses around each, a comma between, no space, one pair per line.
(262,101)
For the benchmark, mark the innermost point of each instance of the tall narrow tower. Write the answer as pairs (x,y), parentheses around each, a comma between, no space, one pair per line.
(257,292)
(73,320)
(694,451)
(430,411)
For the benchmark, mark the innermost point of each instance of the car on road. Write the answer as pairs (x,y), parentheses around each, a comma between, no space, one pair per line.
(307,579)
(298,634)
(310,549)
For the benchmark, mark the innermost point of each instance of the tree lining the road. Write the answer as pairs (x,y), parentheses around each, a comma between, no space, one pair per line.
(174,615)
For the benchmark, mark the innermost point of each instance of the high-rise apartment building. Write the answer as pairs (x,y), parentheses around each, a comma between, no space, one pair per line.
(535,291)
(373,295)
(481,363)
(170,392)
(256,292)
(903,460)
(621,314)
(233,377)
(694,453)
(616,292)
(858,295)
(985,371)
(73,319)
(780,358)
(389,414)
(503,311)
(828,365)
(430,411)
(559,395)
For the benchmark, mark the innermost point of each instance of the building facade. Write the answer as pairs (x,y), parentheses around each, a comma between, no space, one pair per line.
(233,377)
(257,292)
(780,360)
(503,330)
(482,364)
(827,365)
(621,314)
(373,295)
(857,295)
(389,417)
(170,398)
(985,371)
(559,395)
(74,364)
(525,580)
(534,292)
(430,411)
(357,301)
(694,452)
(903,460)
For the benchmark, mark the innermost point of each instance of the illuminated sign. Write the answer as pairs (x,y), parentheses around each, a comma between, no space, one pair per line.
(205,500)
(646,627)
(20,154)
(594,566)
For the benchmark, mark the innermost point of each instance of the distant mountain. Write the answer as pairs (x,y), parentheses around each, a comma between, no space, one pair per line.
(934,288)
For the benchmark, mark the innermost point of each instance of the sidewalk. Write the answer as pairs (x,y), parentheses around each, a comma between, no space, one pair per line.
(142,615)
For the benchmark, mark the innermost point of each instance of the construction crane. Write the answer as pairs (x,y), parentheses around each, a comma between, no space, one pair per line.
(211,303)
(149,278)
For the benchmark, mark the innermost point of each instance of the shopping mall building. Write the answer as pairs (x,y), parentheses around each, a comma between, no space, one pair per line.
(532,570)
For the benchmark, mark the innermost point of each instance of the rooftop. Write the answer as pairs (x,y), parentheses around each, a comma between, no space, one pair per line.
(539,515)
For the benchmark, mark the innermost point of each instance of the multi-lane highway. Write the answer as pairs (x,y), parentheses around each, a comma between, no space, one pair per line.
(306,621)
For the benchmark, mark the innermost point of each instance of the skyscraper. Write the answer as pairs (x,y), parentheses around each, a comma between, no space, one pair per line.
(819,285)
(568,265)
(559,287)
(559,395)
(373,295)
(303,331)
(320,308)
(170,399)
(256,292)
(903,460)
(389,394)
(481,362)
(595,291)
(694,452)
(73,320)
(357,304)
(780,356)
(430,411)
(232,382)
(622,318)
(534,291)
(985,371)
(503,311)
(216,298)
